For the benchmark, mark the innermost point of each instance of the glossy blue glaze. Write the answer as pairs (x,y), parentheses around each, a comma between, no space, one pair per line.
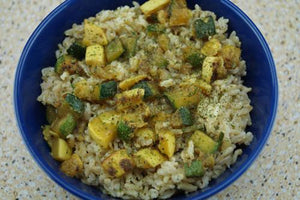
(39,53)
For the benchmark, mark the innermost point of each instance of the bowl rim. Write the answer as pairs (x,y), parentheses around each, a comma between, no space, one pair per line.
(209,192)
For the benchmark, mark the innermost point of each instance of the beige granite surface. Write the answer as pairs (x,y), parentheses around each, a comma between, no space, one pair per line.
(274,175)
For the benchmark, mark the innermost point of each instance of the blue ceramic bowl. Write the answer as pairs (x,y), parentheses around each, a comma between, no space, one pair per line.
(39,53)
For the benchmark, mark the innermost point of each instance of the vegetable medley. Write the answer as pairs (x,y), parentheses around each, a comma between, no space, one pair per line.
(138,106)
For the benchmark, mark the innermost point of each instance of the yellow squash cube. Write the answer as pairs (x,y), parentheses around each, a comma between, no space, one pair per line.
(95,56)
(167,143)
(148,158)
(93,34)
(205,87)
(72,166)
(60,150)
(180,16)
(130,98)
(118,163)
(83,90)
(204,143)
(211,48)
(128,83)
(153,6)
(102,133)
(207,69)
(231,56)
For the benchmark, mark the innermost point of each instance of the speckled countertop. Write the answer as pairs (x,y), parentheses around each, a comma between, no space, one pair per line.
(274,175)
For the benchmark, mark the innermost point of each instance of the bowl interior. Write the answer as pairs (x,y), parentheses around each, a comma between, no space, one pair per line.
(39,52)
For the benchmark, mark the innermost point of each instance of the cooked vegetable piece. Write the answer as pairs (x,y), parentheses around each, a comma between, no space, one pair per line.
(209,161)
(162,16)
(167,142)
(145,135)
(77,50)
(114,50)
(108,89)
(226,143)
(211,48)
(93,34)
(163,42)
(185,116)
(231,56)
(159,60)
(176,4)
(220,140)
(60,150)
(193,128)
(211,64)
(75,103)
(195,59)
(72,166)
(103,129)
(50,114)
(49,135)
(130,98)
(205,87)
(124,131)
(149,88)
(118,163)
(110,117)
(180,16)
(134,120)
(195,169)
(83,90)
(152,6)
(184,96)
(148,158)
(65,125)
(204,28)
(155,29)
(130,45)
(204,143)
(66,63)
(128,83)
(95,55)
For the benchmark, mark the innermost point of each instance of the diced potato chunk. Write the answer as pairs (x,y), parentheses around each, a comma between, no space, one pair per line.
(231,56)
(118,163)
(72,166)
(153,6)
(93,34)
(167,142)
(128,83)
(60,150)
(211,48)
(130,98)
(103,131)
(148,158)
(95,55)
(180,16)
